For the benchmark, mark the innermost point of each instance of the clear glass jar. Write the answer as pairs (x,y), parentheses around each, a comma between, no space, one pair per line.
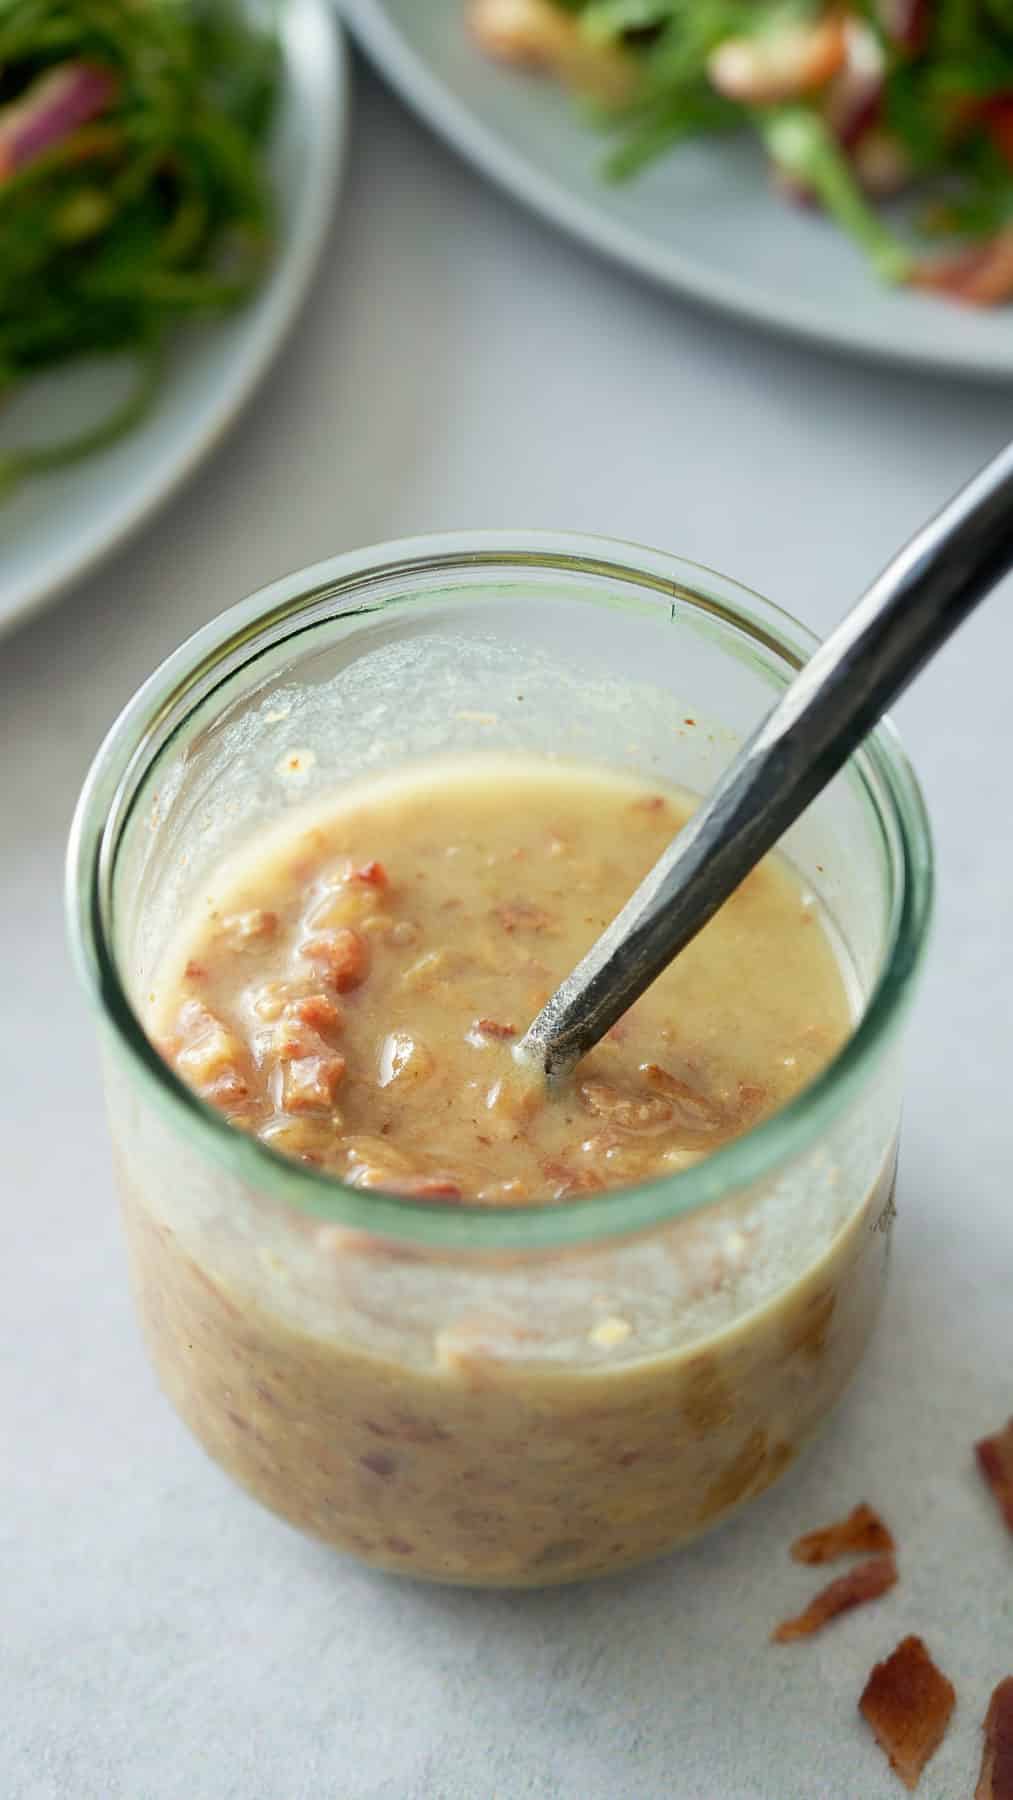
(430,1388)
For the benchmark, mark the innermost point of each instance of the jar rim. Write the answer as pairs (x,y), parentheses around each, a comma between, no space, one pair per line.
(889,785)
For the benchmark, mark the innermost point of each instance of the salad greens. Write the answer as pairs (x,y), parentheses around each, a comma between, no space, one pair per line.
(133,186)
(855,102)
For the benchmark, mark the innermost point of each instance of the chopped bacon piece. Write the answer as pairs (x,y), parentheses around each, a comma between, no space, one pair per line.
(862,1530)
(995,1460)
(522,915)
(693,1110)
(867,1581)
(568,1182)
(421,1187)
(370,874)
(980,276)
(907,1703)
(318,1011)
(490,1028)
(343,953)
(626,1109)
(996,1779)
(309,1083)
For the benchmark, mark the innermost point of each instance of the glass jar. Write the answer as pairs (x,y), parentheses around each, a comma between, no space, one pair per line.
(432,1388)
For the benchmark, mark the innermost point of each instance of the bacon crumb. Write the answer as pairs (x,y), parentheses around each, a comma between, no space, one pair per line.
(995,1460)
(867,1581)
(490,1028)
(343,953)
(522,915)
(907,1703)
(424,1187)
(863,1530)
(996,1779)
(319,1012)
(195,971)
(370,874)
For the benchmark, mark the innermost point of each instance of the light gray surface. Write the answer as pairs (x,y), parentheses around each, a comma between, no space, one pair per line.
(161,1638)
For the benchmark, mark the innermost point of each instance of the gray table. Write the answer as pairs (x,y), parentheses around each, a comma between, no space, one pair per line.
(160,1637)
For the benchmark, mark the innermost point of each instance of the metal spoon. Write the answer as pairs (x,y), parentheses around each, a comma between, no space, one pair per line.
(918,600)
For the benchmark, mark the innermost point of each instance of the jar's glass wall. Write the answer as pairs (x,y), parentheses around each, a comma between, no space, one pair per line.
(438,1399)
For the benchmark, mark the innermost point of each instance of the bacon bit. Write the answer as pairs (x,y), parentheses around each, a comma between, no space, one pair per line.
(751,1098)
(195,971)
(862,1530)
(522,915)
(694,1110)
(309,1083)
(425,1187)
(318,1012)
(370,874)
(569,1182)
(343,952)
(382,1176)
(995,1460)
(996,1779)
(649,803)
(907,1703)
(50,111)
(982,276)
(865,1582)
(641,1113)
(490,1028)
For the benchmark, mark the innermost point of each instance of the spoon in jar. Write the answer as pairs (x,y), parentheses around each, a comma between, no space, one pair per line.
(923,594)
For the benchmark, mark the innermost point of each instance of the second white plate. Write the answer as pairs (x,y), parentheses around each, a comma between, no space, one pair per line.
(703,220)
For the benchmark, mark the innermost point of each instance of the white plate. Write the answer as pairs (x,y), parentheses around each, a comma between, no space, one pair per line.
(55,527)
(702,221)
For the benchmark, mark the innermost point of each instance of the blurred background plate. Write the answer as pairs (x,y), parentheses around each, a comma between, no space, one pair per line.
(702,221)
(55,527)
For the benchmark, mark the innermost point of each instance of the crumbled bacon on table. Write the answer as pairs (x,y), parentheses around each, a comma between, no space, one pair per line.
(995,1781)
(907,1703)
(995,1460)
(866,1581)
(862,1531)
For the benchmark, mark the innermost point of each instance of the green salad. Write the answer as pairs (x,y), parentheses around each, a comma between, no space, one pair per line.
(854,104)
(133,187)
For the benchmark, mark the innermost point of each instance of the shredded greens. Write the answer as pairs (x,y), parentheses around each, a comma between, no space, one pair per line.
(854,104)
(133,187)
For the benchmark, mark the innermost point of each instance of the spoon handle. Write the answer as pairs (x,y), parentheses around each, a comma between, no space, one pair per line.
(923,594)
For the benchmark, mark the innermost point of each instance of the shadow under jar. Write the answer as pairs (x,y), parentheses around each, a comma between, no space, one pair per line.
(510,1396)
